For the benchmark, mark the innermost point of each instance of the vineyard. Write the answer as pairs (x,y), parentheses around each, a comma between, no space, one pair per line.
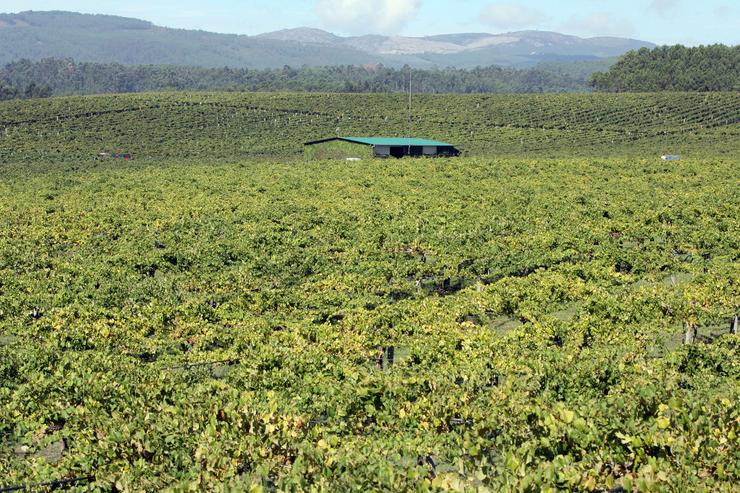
(472,324)
(241,125)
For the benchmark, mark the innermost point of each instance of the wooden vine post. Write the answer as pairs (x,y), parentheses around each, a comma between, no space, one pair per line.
(734,325)
(385,358)
(690,334)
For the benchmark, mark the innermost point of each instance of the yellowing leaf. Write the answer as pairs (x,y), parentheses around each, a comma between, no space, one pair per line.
(589,484)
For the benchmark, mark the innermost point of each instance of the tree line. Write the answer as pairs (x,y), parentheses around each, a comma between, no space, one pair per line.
(665,68)
(673,68)
(67,77)
(28,91)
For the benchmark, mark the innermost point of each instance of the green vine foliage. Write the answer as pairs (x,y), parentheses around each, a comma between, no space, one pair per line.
(267,125)
(210,325)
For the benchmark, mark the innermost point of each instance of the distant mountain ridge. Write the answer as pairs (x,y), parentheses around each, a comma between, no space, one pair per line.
(545,41)
(106,39)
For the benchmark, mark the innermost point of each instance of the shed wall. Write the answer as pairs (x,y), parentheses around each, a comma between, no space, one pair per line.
(382,150)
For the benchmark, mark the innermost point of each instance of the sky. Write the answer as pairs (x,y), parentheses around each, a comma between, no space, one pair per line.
(661,21)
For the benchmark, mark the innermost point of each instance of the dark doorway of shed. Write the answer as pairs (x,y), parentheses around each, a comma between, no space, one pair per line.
(398,151)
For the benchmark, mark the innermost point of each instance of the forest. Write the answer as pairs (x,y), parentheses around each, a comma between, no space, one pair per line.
(673,68)
(67,77)
(665,68)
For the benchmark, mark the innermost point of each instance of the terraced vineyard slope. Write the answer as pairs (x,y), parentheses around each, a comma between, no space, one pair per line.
(234,125)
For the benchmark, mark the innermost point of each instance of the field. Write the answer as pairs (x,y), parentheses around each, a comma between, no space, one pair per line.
(238,319)
(237,125)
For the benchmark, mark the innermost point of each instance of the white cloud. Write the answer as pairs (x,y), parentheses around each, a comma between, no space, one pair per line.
(600,24)
(511,16)
(364,16)
(664,7)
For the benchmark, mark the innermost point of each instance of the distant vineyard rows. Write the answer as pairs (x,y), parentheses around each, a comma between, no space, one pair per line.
(234,125)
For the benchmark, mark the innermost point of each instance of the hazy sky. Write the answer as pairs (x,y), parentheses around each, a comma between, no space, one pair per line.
(661,21)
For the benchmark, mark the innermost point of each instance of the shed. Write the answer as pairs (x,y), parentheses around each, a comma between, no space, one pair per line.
(358,147)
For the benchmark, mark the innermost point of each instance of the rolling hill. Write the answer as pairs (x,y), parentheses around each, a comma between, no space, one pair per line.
(105,39)
(242,125)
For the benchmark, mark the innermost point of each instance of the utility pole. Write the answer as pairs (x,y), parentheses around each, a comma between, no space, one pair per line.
(409,130)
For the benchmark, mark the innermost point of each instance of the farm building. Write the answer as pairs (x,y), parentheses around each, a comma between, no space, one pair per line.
(369,147)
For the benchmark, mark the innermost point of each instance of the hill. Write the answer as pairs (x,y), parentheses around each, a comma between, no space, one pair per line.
(106,39)
(673,68)
(521,48)
(231,125)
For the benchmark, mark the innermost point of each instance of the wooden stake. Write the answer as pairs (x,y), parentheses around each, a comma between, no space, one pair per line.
(379,360)
(734,324)
(690,334)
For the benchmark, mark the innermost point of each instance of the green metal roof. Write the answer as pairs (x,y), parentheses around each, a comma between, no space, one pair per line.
(395,141)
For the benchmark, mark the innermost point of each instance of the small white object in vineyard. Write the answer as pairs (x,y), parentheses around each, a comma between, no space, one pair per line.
(670,157)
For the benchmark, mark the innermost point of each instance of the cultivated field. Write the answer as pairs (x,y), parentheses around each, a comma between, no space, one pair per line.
(237,125)
(472,324)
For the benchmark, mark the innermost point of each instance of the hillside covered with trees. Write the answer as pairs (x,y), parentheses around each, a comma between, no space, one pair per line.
(667,68)
(67,77)
(673,68)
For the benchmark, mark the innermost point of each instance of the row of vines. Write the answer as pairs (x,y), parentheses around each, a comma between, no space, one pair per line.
(415,325)
(232,125)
